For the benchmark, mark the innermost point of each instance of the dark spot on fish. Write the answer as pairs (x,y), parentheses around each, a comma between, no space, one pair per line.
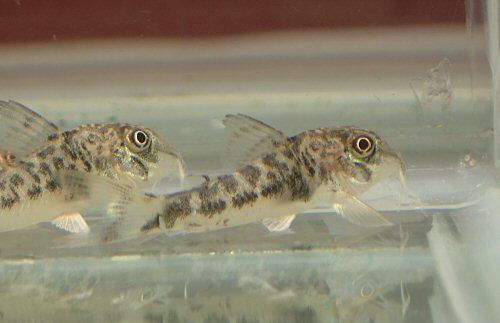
(16,180)
(53,137)
(72,166)
(44,153)
(85,149)
(35,176)
(52,185)
(241,199)
(6,202)
(229,183)
(44,169)
(288,153)
(212,207)
(225,222)
(29,168)
(298,185)
(272,162)
(3,184)
(34,191)
(271,176)
(68,134)
(251,174)
(66,148)
(308,165)
(87,166)
(14,192)
(58,162)
(273,186)
(26,164)
(208,192)
(176,209)
(152,224)
(311,158)
(80,153)
(194,225)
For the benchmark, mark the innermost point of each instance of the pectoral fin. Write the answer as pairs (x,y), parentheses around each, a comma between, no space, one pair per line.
(357,212)
(71,222)
(279,224)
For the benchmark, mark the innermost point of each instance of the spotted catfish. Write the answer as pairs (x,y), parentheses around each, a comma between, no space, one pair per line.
(286,175)
(48,174)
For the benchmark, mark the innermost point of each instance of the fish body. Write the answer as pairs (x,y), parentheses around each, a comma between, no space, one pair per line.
(292,176)
(38,184)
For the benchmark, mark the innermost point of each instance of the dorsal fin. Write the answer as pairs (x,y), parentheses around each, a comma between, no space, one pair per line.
(22,131)
(249,138)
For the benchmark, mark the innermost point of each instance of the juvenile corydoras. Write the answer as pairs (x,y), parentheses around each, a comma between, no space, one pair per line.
(51,177)
(289,175)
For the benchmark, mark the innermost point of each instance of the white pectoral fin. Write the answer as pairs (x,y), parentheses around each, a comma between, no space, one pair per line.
(357,212)
(71,222)
(279,224)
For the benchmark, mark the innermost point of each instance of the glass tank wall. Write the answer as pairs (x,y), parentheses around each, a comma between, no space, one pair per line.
(425,87)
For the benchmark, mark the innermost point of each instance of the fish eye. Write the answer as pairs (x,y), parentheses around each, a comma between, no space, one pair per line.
(139,138)
(363,144)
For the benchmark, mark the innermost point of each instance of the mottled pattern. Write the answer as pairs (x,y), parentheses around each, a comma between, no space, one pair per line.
(229,183)
(243,198)
(293,171)
(273,186)
(251,174)
(174,210)
(95,149)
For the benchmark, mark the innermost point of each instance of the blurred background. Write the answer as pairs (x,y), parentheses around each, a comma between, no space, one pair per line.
(33,20)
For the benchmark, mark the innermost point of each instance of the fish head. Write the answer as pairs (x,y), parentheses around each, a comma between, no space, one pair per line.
(359,158)
(144,156)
